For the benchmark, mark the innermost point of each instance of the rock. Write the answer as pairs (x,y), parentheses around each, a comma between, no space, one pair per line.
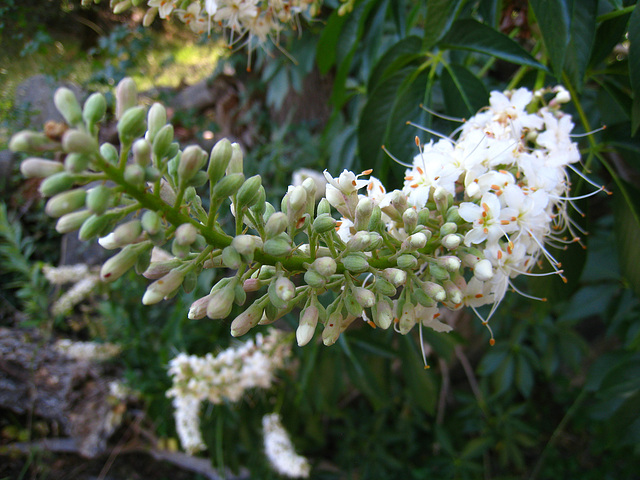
(197,97)
(6,169)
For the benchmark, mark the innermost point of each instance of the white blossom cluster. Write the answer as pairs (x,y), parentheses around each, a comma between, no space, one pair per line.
(88,351)
(505,174)
(223,377)
(84,281)
(279,449)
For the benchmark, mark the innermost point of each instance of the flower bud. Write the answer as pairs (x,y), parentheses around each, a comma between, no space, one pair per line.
(71,221)
(134,174)
(324,207)
(127,232)
(285,289)
(151,222)
(185,234)
(141,152)
(249,191)
(122,6)
(382,313)
(415,241)
(245,245)
(75,141)
(296,200)
(156,119)
(355,263)
(162,142)
(93,226)
(251,285)
(164,286)
(454,294)
(108,242)
(396,276)
(198,308)
(420,296)
(190,162)
(364,209)
(126,258)
(235,162)
(438,272)
(449,262)
(332,329)
(247,319)
(228,185)
(68,106)
(76,162)
(231,258)
(453,216)
(442,199)
(221,301)
(28,141)
(435,291)
(276,224)
(109,153)
(448,229)
(219,160)
(39,167)
(278,246)
(126,96)
(132,124)
(65,202)
(424,216)
(324,223)
(325,266)
(158,269)
(407,262)
(365,297)
(95,108)
(307,325)
(410,220)
(98,199)
(375,220)
(451,241)
(407,318)
(314,279)
(483,270)
(259,206)
(384,287)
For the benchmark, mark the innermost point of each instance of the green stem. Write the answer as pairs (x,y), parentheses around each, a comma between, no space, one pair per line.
(614,14)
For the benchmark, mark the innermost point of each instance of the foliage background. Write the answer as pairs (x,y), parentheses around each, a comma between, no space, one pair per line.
(558,395)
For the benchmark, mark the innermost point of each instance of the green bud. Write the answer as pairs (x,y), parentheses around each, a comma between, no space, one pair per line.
(266,272)
(221,302)
(324,207)
(364,210)
(375,221)
(285,289)
(235,162)
(382,312)
(151,222)
(359,242)
(365,297)
(156,119)
(453,216)
(162,142)
(352,305)
(259,206)
(39,167)
(199,179)
(296,200)
(157,270)
(307,325)
(451,241)
(141,152)
(132,124)
(186,234)
(424,216)
(407,262)
(65,202)
(435,291)
(438,272)
(126,95)
(122,6)
(454,294)
(314,279)
(278,246)
(72,221)
(126,258)
(143,261)
(324,223)
(355,263)
(332,329)
(415,241)
(410,220)
(231,258)
(109,153)
(450,263)
(396,276)
(68,106)
(163,287)
(276,224)
(127,232)
(180,251)
(384,287)
(274,298)
(245,245)
(190,162)
(76,162)
(76,141)
(442,198)
(134,174)
(420,296)
(152,174)
(228,186)
(93,226)
(247,319)
(28,141)
(407,318)
(219,160)
(99,199)
(448,228)
(240,296)
(198,308)
(95,108)
(325,266)
(249,191)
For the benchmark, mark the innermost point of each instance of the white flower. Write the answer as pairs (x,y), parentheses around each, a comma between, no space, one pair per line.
(490,221)
(279,449)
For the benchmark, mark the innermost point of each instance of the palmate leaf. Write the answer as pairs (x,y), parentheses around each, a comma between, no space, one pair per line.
(554,20)
(472,35)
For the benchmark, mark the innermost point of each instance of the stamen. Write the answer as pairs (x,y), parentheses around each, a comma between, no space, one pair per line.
(440,115)
(432,132)
(395,159)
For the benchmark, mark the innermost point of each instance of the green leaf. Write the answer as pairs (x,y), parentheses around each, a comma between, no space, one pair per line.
(472,35)
(627,233)
(524,376)
(477,447)
(464,93)
(634,67)
(440,14)
(383,121)
(583,32)
(401,54)
(419,382)
(503,377)
(398,9)
(554,21)
(608,35)
(328,42)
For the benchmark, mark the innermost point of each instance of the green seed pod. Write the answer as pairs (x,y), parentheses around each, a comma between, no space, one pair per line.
(384,287)
(72,221)
(39,167)
(190,162)
(276,224)
(56,183)
(65,202)
(324,223)
(132,124)
(162,141)
(127,232)
(407,262)
(99,199)
(324,207)
(109,153)
(76,162)
(75,141)
(134,174)
(355,263)
(185,234)
(219,160)
(228,186)
(156,119)
(68,106)
(93,226)
(279,246)
(231,258)
(95,108)
(314,279)
(249,191)
(126,258)
(29,142)
(438,272)
(151,222)
(375,221)
(126,95)
(141,152)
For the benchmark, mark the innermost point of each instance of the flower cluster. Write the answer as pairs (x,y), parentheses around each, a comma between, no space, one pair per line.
(84,282)
(223,377)
(87,351)
(280,451)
